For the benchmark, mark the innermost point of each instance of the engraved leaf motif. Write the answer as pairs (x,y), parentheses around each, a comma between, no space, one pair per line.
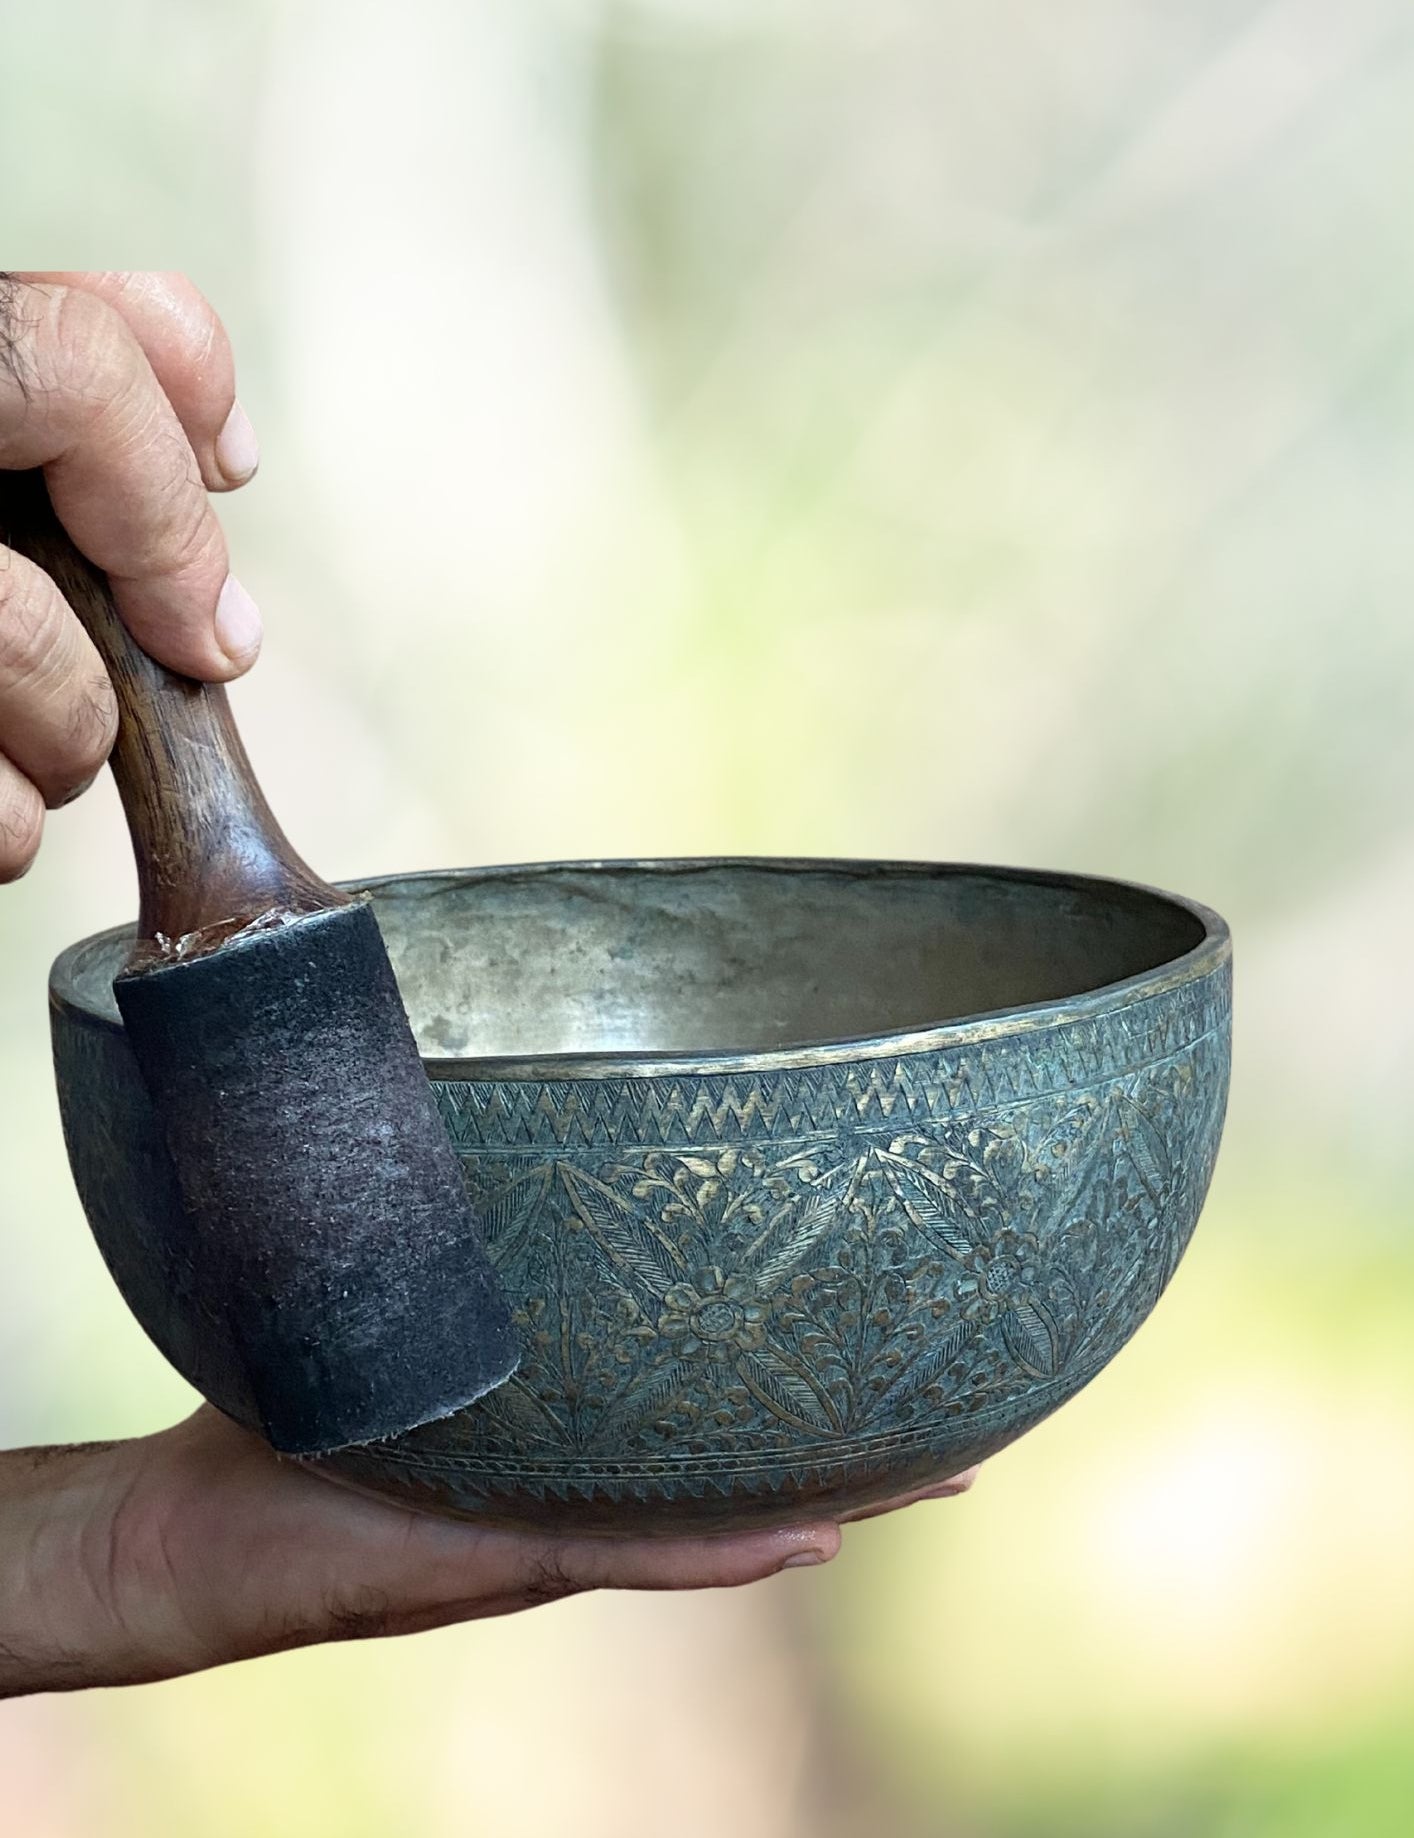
(923,1196)
(1030,1335)
(1101,1268)
(810,1225)
(1146,1149)
(934,1359)
(633,1248)
(516,1409)
(642,1404)
(784,1391)
(1081,1139)
(504,1214)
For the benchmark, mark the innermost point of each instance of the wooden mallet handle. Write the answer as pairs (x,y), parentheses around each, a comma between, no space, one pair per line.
(210,855)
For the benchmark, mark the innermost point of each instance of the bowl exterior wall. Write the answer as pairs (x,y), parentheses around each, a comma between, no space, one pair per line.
(759,1297)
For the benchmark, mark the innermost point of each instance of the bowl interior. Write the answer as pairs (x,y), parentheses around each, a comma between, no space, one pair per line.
(734,956)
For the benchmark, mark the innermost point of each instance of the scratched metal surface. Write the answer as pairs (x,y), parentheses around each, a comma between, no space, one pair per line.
(938,1152)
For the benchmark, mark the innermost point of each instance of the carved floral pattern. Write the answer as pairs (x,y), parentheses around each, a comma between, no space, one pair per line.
(738,1313)
(731,1284)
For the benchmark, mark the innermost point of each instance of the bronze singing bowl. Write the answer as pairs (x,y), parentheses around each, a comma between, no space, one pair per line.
(812,1181)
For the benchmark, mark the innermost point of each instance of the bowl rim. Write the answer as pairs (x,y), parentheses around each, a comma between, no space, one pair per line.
(1211,953)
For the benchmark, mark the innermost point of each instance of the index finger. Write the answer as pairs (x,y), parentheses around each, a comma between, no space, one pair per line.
(79,398)
(190,354)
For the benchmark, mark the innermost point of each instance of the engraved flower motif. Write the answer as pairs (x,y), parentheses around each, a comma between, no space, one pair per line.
(1001,1275)
(713,1317)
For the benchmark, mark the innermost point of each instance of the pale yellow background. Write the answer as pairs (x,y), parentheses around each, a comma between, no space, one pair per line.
(914,428)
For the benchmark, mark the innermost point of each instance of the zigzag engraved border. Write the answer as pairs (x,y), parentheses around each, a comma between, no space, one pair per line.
(502,1115)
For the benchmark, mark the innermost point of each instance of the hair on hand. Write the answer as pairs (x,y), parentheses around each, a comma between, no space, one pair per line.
(12,357)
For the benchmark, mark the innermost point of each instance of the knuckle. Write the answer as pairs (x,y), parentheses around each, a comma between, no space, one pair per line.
(193,536)
(19,318)
(51,683)
(124,420)
(90,346)
(31,615)
(195,322)
(207,336)
(91,728)
(178,533)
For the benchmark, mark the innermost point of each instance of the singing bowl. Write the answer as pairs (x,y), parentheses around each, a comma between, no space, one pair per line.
(811,1181)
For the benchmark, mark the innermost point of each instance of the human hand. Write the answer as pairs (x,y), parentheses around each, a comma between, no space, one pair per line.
(125,1562)
(121,386)
(145,1559)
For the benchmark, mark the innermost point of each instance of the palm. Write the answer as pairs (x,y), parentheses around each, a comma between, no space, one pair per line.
(202,1546)
(199,1545)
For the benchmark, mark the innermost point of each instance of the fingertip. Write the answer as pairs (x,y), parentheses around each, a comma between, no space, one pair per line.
(791,1547)
(811,1545)
(715,1561)
(237,451)
(238,625)
(184,642)
(960,1483)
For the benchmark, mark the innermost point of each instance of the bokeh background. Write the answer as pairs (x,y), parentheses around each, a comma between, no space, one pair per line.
(913,428)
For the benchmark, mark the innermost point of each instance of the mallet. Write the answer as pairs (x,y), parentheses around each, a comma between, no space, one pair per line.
(331,1242)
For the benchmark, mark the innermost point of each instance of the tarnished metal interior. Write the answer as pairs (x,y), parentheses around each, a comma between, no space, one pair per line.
(740,956)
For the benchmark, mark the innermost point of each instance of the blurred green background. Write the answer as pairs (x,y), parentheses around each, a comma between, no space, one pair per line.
(913,428)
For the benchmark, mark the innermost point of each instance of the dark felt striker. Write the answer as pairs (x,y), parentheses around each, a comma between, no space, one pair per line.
(324,1254)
